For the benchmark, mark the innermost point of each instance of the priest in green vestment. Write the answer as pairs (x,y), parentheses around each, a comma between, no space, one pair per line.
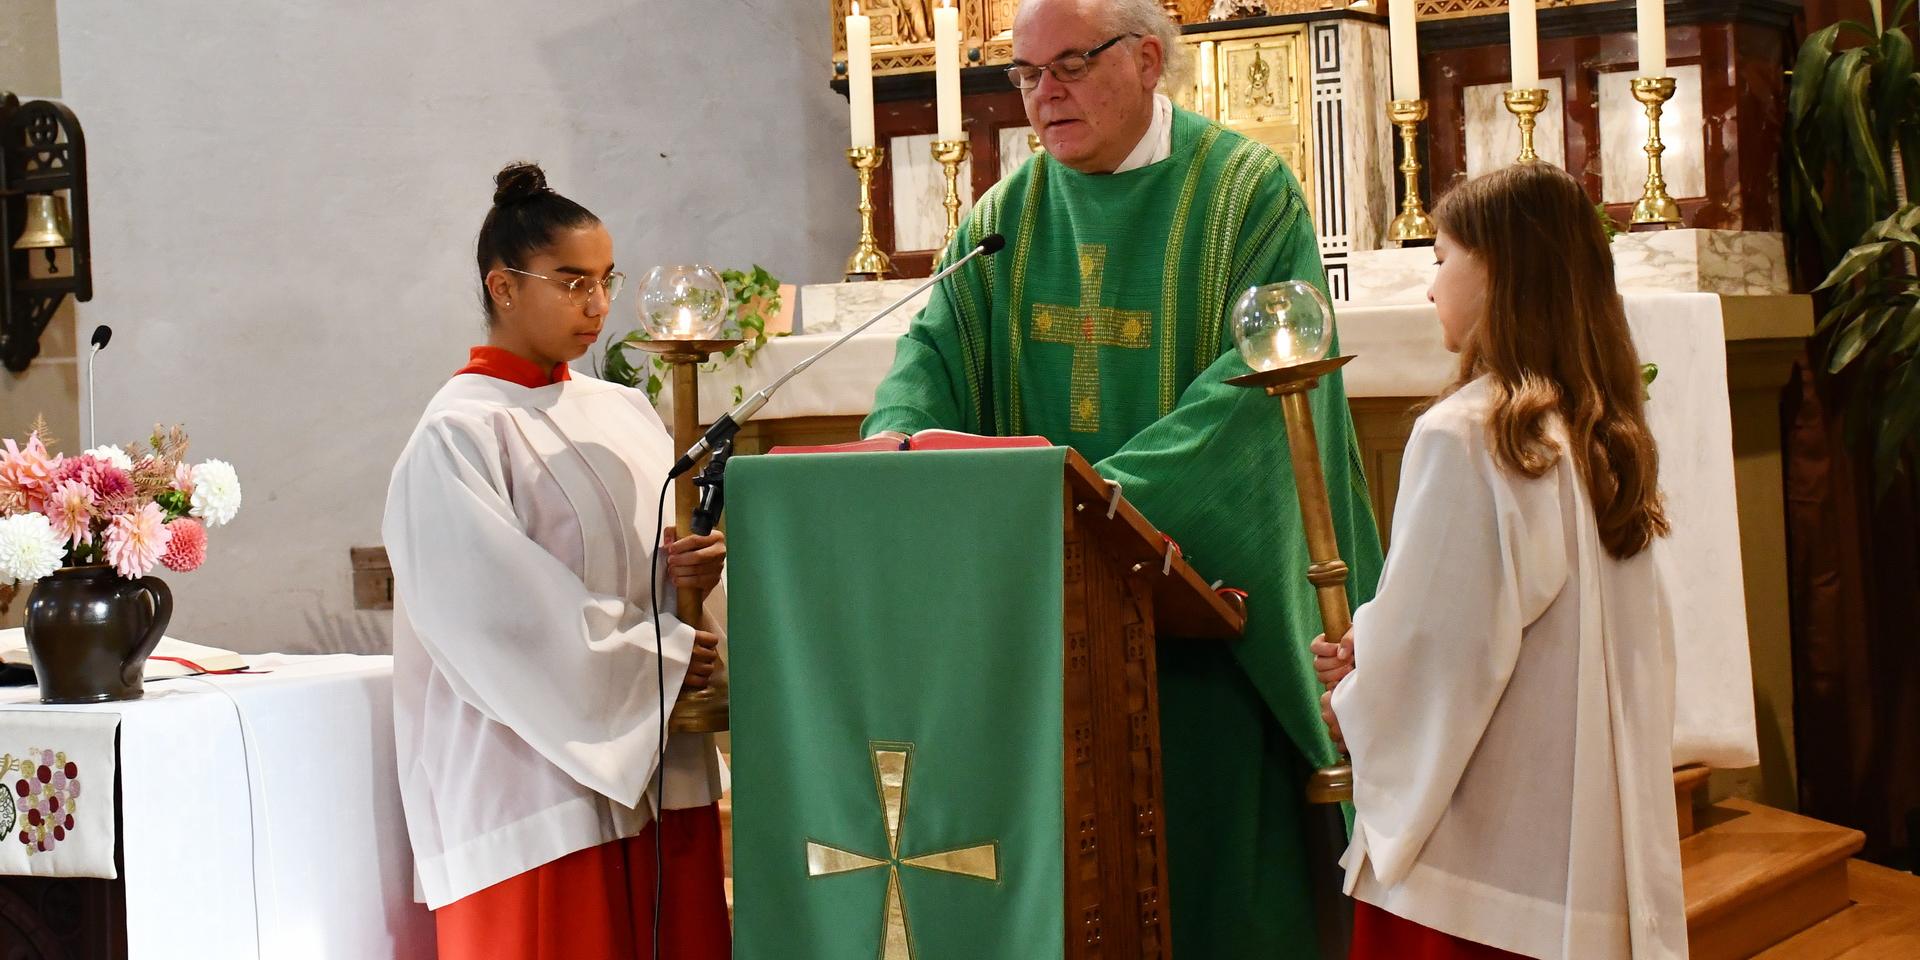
(1102,326)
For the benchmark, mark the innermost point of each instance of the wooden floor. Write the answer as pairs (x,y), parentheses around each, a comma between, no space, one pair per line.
(1881,921)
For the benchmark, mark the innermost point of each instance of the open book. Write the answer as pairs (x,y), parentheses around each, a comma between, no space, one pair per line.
(934,439)
(172,658)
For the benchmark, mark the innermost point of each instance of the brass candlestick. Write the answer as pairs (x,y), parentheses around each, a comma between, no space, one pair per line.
(950,154)
(1033,143)
(1526,105)
(1412,224)
(868,261)
(1327,572)
(1654,205)
(704,710)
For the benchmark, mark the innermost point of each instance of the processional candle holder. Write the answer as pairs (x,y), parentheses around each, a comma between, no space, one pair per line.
(683,309)
(1284,331)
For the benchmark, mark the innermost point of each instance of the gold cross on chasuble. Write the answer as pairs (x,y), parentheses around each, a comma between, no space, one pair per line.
(1088,327)
(891,764)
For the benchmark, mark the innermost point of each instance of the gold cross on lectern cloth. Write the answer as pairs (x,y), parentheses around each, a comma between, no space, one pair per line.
(892,762)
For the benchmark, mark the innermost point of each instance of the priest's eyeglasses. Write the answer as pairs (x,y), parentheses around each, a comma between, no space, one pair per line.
(580,289)
(1067,69)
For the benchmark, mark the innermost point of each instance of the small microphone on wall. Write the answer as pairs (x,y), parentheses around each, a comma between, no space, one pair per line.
(101,334)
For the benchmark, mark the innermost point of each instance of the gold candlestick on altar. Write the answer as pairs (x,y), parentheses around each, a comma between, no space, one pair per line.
(1326,571)
(1412,224)
(950,154)
(1526,105)
(1654,205)
(704,710)
(868,261)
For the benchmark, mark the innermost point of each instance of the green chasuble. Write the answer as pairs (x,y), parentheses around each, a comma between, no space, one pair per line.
(1102,327)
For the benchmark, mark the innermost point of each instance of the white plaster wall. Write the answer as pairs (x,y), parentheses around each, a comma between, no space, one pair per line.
(285,197)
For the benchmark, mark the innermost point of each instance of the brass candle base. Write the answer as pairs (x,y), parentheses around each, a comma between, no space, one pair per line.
(950,154)
(1654,205)
(1326,571)
(1526,106)
(868,261)
(705,710)
(1413,224)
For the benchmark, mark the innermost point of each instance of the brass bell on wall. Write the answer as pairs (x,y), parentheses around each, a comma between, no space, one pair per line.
(48,227)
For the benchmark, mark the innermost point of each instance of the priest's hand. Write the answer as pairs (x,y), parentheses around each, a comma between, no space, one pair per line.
(1332,662)
(1332,722)
(894,435)
(706,656)
(695,561)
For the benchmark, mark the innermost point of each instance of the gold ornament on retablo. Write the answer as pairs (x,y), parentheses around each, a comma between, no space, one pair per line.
(1284,331)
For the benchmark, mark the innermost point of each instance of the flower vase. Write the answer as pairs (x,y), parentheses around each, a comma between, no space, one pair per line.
(90,631)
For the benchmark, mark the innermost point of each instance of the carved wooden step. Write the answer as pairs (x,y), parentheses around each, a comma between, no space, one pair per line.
(1756,876)
(1689,784)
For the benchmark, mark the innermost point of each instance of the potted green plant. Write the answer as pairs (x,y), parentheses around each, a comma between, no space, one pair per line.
(1853,129)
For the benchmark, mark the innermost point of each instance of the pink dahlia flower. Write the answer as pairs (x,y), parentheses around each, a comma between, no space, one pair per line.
(187,548)
(136,540)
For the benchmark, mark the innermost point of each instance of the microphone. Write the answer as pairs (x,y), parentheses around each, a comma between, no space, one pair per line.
(101,334)
(729,423)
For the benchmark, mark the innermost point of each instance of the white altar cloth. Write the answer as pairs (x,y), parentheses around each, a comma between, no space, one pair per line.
(261,814)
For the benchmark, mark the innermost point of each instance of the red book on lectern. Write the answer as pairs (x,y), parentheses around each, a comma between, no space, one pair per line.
(924,440)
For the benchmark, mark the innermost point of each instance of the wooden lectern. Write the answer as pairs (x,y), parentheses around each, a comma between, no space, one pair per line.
(1125,584)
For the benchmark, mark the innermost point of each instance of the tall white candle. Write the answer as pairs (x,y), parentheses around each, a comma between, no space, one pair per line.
(1651,17)
(860,76)
(946,69)
(1403,49)
(1525,36)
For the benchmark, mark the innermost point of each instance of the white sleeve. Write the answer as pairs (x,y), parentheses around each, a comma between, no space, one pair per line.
(515,632)
(1477,555)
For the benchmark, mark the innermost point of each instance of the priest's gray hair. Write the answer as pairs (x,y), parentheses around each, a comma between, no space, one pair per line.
(1148,18)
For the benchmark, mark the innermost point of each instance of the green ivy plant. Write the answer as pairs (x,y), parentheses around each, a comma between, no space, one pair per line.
(1613,227)
(1853,163)
(755,295)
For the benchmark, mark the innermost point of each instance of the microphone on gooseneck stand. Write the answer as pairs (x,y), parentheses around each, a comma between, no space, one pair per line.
(712,484)
(729,423)
(101,334)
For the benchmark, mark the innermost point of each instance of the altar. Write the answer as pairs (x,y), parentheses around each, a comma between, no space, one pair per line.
(253,815)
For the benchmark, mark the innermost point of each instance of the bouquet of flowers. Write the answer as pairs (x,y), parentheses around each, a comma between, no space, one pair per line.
(132,509)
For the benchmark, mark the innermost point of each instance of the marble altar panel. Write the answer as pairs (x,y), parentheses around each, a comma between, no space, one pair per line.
(919,186)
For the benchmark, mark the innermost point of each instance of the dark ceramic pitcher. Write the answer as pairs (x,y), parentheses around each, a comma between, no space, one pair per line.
(90,631)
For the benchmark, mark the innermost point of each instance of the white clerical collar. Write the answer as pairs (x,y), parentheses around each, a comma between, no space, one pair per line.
(1157,144)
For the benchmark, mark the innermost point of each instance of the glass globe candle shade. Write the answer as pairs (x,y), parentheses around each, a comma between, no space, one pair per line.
(683,302)
(1282,324)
